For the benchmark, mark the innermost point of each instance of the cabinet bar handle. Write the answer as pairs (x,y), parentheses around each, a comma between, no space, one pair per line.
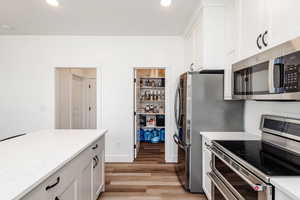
(55,184)
(264,38)
(95,163)
(257,41)
(95,147)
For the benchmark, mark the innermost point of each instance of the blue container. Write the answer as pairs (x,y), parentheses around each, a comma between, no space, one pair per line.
(155,140)
(155,136)
(148,136)
(142,135)
(162,134)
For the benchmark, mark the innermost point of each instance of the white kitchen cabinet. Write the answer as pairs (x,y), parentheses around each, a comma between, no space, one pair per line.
(69,194)
(204,42)
(254,23)
(80,179)
(231,16)
(98,175)
(85,183)
(206,154)
(267,21)
(283,20)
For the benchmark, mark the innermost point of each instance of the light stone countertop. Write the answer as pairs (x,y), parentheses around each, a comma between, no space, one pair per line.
(27,161)
(230,136)
(288,185)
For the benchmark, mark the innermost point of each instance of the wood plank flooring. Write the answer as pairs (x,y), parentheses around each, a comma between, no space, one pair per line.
(148,178)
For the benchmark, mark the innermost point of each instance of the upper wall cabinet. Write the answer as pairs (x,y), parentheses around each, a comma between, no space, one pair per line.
(204,41)
(253,27)
(267,23)
(283,18)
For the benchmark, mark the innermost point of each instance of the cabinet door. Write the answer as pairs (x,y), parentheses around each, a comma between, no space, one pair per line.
(206,168)
(253,23)
(284,20)
(69,194)
(231,25)
(98,175)
(85,183)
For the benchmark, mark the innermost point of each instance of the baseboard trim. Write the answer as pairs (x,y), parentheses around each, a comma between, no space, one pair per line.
(171,159)
(121,158)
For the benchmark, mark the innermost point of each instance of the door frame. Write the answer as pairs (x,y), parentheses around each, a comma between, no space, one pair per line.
(99,96)
(168,109)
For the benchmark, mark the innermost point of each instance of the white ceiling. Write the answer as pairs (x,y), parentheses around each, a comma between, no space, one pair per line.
(96,17)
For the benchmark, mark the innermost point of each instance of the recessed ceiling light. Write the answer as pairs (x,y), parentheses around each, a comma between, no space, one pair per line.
(165,3)
(54,3)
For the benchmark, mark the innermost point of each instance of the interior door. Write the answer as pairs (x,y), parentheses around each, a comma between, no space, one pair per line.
(91,107)
(136,115)
(77,103)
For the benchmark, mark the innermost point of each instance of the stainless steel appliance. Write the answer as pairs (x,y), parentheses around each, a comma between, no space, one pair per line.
(270,75)
(200,106)
(242,169)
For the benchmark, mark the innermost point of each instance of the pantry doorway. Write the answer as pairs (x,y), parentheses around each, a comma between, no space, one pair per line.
(149,114)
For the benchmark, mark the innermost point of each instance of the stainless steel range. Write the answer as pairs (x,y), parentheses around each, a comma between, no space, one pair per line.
(242,169)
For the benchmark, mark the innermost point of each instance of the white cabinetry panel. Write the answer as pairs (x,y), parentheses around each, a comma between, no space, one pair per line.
(69,194)
(85,183)
(206,154)
(253,25)
(284,20)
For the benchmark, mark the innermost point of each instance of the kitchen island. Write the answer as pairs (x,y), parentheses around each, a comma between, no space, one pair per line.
(53,164)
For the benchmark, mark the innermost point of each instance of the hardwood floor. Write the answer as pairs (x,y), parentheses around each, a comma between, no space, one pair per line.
(149,178)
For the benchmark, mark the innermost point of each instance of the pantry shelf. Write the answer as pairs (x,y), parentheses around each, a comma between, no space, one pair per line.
(149,127)
(143,113)
(153,88)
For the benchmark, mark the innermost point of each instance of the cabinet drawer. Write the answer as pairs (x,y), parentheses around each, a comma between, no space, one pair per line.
(62,179)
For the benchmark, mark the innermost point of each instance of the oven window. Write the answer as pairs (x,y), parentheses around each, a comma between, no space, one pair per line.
(235,180)
(259,78)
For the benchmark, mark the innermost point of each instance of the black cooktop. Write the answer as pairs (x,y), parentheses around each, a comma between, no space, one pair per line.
(269,159)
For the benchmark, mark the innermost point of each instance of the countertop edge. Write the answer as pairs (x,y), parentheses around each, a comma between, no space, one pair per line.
(41,180)
(289,193)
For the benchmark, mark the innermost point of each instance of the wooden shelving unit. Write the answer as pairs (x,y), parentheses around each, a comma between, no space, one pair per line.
(150,99)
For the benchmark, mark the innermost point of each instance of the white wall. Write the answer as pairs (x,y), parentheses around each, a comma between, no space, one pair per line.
(27,81)
(254,110)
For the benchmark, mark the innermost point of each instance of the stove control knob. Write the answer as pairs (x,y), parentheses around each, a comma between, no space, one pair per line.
(258,188)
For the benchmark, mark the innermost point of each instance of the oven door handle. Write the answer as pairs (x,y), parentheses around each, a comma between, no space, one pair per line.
(254,186)
(221,186)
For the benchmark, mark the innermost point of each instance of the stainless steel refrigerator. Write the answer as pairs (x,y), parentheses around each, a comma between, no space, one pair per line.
(200,106)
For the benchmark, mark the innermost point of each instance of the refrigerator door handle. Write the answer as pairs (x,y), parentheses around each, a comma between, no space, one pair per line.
(177,105)
(176,140)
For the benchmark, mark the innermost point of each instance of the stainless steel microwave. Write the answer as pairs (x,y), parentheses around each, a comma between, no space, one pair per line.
(270,75)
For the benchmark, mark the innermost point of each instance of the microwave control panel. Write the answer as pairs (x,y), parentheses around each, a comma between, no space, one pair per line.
(292,78)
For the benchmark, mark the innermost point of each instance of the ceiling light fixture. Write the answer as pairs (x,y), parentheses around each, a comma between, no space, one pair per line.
(53,3)
(165,3)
